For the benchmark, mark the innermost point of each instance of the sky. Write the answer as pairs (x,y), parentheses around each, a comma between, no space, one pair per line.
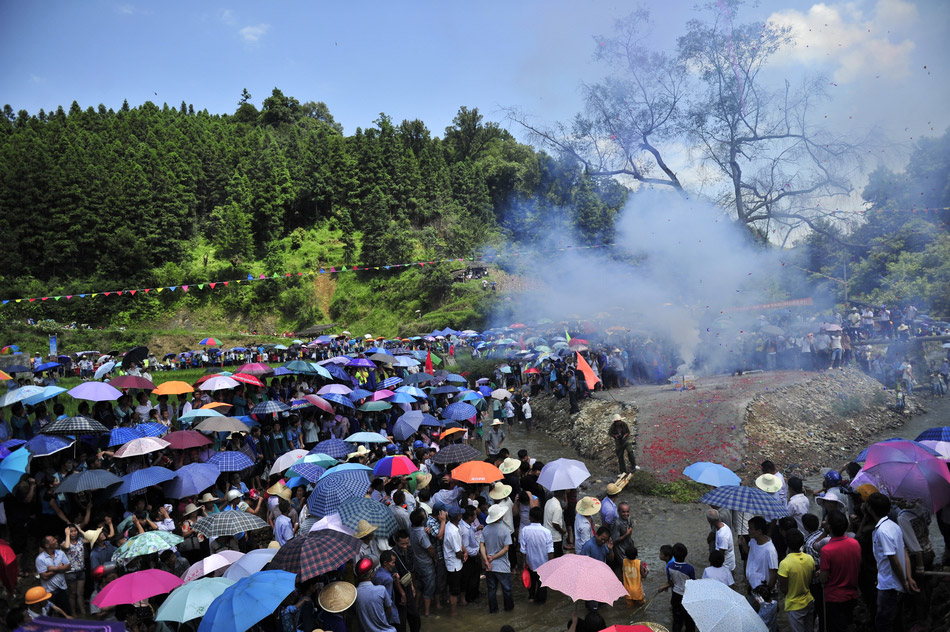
(886,60)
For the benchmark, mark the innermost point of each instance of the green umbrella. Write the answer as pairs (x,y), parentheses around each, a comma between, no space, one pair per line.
(145,544)
(191,600)
(543,348)
(374,406)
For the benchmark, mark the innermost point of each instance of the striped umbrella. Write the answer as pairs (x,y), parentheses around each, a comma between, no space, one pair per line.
(210,342)
(398,465)
(74,426)
(316,553)
(231,461)
(390,382)
(88,481)
(146,477)
(228,523)
(372,511)
(269,407)
(146,544)
(336,448)
(459,411)
(330,492)
(748,499)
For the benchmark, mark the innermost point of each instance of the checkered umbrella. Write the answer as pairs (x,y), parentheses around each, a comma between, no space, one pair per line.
(121,435)
(330,492)
(146,543)
(315,553)
(459,411)
(228,523)
(336,398)
(456,453)
(372,511)
(310,471)
(268,407)
(336,448)
(231,461)
(87,481)
(748,499)
(146,477)
(75,426)
(152,429)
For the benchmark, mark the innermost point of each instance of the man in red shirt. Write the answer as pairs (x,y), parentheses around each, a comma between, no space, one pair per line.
(840,559)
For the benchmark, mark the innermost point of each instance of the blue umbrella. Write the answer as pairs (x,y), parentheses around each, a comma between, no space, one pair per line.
(345,467)
(146,477)
(298,404)
(88,481)
(152,429)
(49,392)
(12,469)
(231,461)
(941,433)
(44,445)
(711,474)
(310,471)
(444,390)
(336,398)
(429,420)
(46,366)
(269,407)
(330,492)
(372,511)
(417,378)
(748,499)
(192,479)
(358,394)
(336,448)
(299,366)
(401,398)
(122,435)
(415,391)
(485,390)
(9,444)
(282,371)
(390,382)
(337,373)
(405,428)
(459,411)
(366,437)
(248,601)
(454,377)
(19,394)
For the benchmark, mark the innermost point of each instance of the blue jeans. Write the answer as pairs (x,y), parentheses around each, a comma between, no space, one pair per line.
(888,610)
(492,579)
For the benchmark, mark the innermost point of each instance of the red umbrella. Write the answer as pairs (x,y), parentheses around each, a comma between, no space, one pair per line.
(185,439)
(132,381)
(9,569)
(247,378)
(320,403)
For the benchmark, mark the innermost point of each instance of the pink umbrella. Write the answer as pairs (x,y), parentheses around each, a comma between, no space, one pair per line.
(320,403)
(907,470)
(582,577)
(136,587)
(185,439)
(214,562)
(140,446)
(255,368)
(382,394)
(339,389)
(218,383)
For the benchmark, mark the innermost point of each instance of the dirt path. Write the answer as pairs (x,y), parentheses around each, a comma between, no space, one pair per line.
(679,427)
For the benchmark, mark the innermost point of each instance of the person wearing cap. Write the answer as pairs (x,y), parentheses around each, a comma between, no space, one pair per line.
(623,443)
(455,556)
(586,508)
(494,547)
(374,607)
(39,604)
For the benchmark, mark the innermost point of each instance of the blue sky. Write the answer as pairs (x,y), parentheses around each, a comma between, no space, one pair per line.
(887,60)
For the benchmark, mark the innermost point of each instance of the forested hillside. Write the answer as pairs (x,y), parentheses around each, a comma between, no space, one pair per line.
(94,199)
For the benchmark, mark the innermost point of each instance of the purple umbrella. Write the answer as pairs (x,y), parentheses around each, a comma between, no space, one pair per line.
(339,389)
(361,362)
(906,470)
(95,392)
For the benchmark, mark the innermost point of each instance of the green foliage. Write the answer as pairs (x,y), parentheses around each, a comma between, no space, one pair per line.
(847,405)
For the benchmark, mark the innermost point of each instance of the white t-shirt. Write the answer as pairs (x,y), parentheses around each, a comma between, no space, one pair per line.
(725,544)
(452,544)
(762,559)
(721,574)
(553,514)
(887,540)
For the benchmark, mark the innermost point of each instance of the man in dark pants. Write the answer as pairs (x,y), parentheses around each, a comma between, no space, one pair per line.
(572,391)
(623,443)
(408,609)
(537,547)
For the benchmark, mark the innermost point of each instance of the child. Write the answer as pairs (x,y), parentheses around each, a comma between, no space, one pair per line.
(716,571)
(677,572)
(766,607)
(634,572)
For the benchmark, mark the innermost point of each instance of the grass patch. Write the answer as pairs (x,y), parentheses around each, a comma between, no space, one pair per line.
(680,491)
(847,405)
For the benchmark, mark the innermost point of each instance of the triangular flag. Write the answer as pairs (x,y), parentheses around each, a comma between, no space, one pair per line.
(184,288)
(568,336)
(93,295)
(119,293)
(18,300)
(147,290)
(159,290)
(172,288)
(250,278)
(45,298)
(69,296)
(332,269)
(82,296)
(201,286)
(212,285)
(57,297)
(132,292)
(7,301)
(32,300)
(262,276)
(225,284)
(106,293)
(588,372)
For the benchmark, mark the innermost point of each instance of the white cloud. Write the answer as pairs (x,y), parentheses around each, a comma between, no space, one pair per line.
(37,80)
(853,44)
(253,34)
(125,9)
(227,16)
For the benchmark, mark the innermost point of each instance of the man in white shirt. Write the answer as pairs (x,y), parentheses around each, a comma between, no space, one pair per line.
(455,556)
(893,566)
(554,520)
(537,547)
(722,539)
(762,565)
(798,503)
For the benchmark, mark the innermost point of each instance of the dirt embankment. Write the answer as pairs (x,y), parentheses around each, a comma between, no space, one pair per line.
(802,421)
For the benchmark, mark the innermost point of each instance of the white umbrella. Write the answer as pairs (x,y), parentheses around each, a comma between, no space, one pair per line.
(500,393)
(563,474)
(102,370)
(715,607)
(19,394)
(249,564)
(140,446)
(222,424)
(218,382)
(332,522)
(210,564)
(286,460)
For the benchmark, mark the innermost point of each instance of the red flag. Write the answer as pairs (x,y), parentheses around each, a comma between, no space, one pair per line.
(521,341)
(588,372)
(429,369)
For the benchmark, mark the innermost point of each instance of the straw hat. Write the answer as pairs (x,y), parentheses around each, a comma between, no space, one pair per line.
(500,491)
(422,480)
(617,417)
(427,507)
(360,451)
(208,498)
(588,506)
(830,497)
(613,489)
(509,465)
(337,597)
(36,595)
(364,528)
(191,508)
(280,490)
(273,544)
(768,483)
(92,536)
(498,422)
(495,513)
